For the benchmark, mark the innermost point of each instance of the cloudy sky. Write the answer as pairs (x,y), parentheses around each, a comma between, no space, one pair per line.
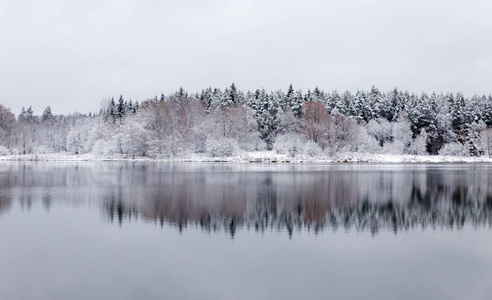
(72,54)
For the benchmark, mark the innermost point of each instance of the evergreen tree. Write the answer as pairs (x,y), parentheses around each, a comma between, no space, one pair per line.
(47,115)
(29,112)
(130,107)
(308,97)
(290,92)
(121,108)
(233,94)
(23,114)
(112,110)
(296,104)
(181,93)
(487,110)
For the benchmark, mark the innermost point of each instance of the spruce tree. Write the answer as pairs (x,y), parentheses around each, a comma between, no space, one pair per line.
(121,108)
(23,113)
(47,115)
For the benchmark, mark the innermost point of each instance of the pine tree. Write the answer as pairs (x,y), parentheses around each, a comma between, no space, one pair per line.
(130,107)
(47,115)
(29,112)
(23,113)
(296,104)
(181,93)
(121,108)
(308,97)
(290,92)
(112,110)
(233,95)
(487,110)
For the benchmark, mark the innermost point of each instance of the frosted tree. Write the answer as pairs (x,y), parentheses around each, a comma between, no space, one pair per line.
(286,122)
(181,93)
(486,108)
(121,108)
(156,120)
(225,126)
(365,142)
(133,138)
(314,120)
(296,103)
(418,145)
(486,141)
(47,115)
(341,134)
(391,106)
(401,137)
(266,107)
(381,130)
(474,134)
(290,144)
(23,113)
(76,139)
(7,123)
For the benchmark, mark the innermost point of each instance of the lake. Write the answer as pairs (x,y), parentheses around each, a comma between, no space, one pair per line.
(123,230)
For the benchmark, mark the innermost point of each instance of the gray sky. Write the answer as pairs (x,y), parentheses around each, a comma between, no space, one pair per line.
(72,54)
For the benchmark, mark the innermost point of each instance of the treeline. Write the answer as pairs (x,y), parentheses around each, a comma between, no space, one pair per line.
(225,122)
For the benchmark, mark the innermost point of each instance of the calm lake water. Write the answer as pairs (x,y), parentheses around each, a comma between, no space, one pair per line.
(113,230)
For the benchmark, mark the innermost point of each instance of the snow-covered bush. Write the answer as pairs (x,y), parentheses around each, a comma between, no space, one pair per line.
(452,149)
(104,147)
(200,142)
(396,147)
(402,136)
(418,145)
(311,149)
(250,139)
(76,140)
(40,150)
(222,147)
(132,138)
(289,144)
(365,142)
(4,151)
(342,132)
(380,129)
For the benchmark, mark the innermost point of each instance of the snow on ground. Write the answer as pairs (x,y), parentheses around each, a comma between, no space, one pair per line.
(260,157)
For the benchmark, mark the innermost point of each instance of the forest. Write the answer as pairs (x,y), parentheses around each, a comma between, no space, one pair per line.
(222,123)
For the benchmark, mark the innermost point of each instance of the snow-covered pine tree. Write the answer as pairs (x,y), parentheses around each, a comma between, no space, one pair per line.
(23,113)
(120,110)
(296,104)
(47,115)
(181,93)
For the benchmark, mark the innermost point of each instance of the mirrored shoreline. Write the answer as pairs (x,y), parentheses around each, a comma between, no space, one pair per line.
(232,197)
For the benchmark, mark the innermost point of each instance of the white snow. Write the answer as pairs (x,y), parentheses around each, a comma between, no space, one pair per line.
(260,157)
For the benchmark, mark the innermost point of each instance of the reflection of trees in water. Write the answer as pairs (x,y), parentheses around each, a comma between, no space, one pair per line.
(5,202)
(365,201)
(226,197)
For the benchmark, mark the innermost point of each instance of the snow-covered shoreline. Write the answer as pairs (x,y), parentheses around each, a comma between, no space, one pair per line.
(258,157)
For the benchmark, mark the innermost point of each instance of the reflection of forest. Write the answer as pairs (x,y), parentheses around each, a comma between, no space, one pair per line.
(364,198)
(227,197)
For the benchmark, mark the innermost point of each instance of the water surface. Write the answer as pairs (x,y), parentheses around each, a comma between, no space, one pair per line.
(245,231)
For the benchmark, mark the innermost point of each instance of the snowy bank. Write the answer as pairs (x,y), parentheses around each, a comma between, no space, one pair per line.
(260,157)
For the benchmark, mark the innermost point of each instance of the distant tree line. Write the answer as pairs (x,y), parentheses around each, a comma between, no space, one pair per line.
(225,122)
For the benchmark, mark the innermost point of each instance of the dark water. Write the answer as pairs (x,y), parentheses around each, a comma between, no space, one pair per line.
(226,231)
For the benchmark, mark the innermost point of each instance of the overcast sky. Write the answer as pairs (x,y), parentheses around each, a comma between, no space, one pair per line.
(72,54)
